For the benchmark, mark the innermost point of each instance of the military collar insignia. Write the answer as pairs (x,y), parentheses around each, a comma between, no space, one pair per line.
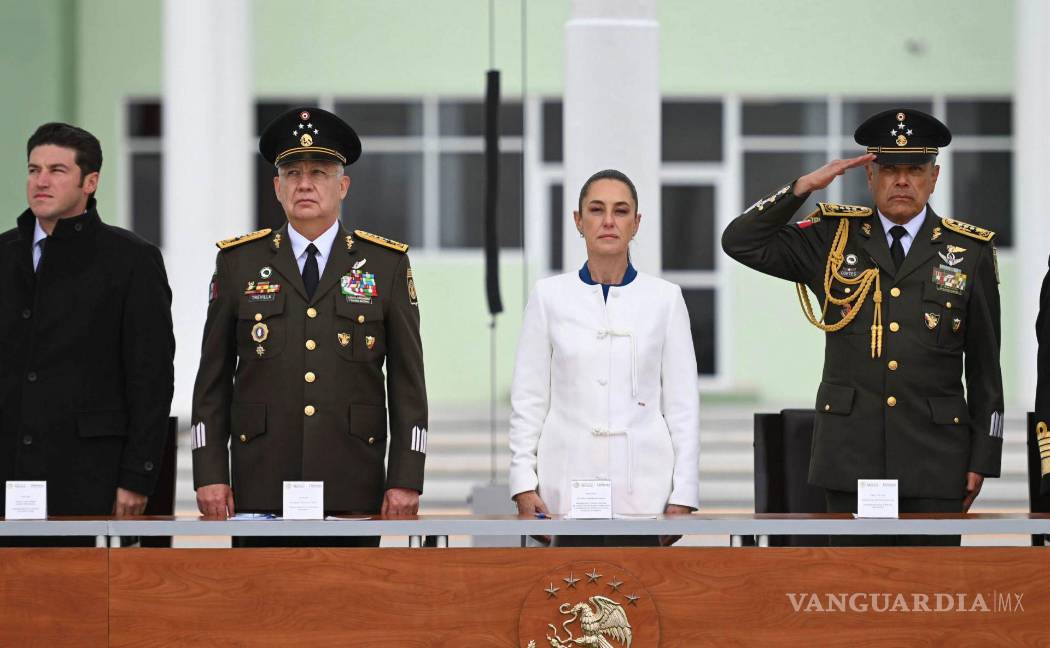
(349,242)
(226,244)
(936,234)
(382,240)
(966,229)
(865,229)
(277,241)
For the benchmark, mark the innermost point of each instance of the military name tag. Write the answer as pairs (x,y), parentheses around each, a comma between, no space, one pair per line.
(258,291)
(948,279)
(358,287)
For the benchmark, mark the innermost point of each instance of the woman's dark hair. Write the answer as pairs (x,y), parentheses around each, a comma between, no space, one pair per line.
(609,174)
(84,144)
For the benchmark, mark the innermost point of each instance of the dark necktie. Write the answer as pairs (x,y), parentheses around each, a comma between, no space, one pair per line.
(897,250)
(43,244)
(310,274)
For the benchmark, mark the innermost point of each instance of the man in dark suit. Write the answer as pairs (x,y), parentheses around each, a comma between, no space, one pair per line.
(299,328)
(910,305)
(86,343)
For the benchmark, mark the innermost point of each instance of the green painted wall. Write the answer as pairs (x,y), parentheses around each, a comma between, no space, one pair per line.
(80,60)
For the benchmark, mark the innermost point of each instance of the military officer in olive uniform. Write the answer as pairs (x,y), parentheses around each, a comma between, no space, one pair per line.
(300,325)
(910,305)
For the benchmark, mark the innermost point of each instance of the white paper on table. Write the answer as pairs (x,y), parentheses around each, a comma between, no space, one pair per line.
(25,500)
(351,518)
(590,499)
(303,500)
(877,498)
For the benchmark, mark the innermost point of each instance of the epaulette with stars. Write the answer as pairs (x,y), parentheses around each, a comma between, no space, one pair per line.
(382,240)
(966,229)
(226,244)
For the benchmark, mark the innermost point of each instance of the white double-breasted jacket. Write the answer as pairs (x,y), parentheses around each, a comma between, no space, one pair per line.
(606,389)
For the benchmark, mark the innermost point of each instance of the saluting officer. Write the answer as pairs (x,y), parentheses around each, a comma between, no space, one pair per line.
(300,324)
(907,295)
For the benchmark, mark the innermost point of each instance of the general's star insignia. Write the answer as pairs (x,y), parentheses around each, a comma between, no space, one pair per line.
(631,599)
(552,591)
(615,585)
(593,575)
(571,581)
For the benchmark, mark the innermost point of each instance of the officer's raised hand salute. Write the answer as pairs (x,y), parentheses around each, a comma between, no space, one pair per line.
(301,325)
(906,298)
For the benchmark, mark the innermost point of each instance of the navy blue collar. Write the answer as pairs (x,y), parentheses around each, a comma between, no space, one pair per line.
(628,276)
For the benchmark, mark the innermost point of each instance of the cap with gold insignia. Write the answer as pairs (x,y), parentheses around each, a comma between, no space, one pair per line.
(309,134)
(903,136)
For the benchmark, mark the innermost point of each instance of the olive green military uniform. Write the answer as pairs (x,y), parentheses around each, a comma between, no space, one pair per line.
(292,388)
(892,403)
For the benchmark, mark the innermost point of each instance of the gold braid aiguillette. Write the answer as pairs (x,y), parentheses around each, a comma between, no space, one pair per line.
(854,301)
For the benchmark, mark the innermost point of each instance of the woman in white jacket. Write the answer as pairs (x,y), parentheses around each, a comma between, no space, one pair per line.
(605,385)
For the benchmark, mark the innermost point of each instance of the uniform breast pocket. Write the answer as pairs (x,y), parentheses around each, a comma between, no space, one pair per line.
(260,327)
(359,332)
(943,317)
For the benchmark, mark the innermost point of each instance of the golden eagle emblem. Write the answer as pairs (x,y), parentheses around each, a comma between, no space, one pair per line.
(605,620)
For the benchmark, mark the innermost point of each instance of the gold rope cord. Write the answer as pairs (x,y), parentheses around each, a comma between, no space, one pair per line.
(854,302)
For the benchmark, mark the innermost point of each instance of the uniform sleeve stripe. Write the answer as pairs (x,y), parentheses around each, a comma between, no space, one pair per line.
(424,451)
(198,437)
(996,427)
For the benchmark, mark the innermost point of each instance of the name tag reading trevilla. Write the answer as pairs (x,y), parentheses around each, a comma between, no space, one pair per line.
(876,498)
(303,500)
(591,499)
(25,500)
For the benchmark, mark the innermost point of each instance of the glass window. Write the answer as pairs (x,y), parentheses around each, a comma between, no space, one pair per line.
(383,118)
(552,131)
(145,119)
(557,222)
(981,191)
(691,131)
(688,227)
(855,188)
(855,112)
(466,118)
(463,196)
(980,117)
(386,196)
(700,302)
(146,200)
(765,173)
(785,118)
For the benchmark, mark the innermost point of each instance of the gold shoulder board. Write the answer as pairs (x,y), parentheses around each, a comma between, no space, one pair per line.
(834,209)
(382,240)
(966,229)
(226,244)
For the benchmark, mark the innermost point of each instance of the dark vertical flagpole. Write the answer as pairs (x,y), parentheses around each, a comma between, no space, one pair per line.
(491,224)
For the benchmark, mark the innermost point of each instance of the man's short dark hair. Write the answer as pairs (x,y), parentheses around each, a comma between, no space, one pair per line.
(609,174)
(87,147)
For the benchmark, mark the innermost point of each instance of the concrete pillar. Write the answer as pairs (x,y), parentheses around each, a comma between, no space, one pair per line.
(612,113)
(1031,171)
(208,161)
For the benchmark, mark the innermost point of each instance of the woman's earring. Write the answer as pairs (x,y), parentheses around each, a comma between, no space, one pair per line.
(581,233)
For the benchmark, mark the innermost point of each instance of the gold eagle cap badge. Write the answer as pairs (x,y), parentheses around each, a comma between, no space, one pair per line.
(226,244)
(589,603)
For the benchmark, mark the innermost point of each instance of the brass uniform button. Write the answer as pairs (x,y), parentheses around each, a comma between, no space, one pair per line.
(360,319)
(258,317)
(894,326)
(893,365)
(309,410)
(891,401)
(371,440)
(827,408)
(947,304)
(311,312)
(310,376)
(244,438)
(310,345)
(895,292)
(847,290)
(956,419)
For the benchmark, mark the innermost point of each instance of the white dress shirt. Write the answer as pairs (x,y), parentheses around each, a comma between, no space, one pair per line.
(913,226)
(323,243)
(38,235)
